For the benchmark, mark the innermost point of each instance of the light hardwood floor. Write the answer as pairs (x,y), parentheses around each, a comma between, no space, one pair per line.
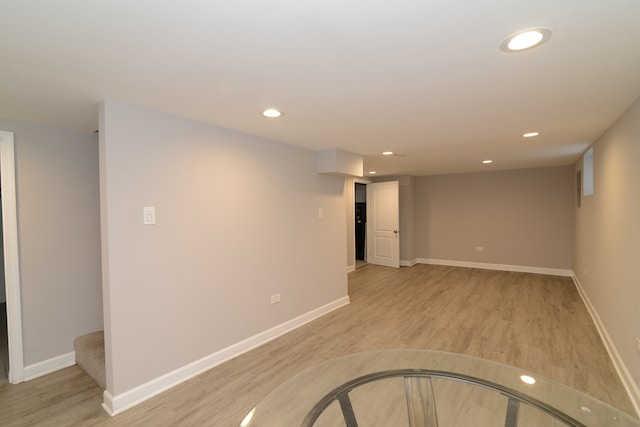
(533,322)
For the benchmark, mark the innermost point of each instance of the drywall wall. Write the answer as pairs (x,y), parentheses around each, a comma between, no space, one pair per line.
(607,243)
(234,227)
(58,236)
(339,163)
(520,217)
(349,201)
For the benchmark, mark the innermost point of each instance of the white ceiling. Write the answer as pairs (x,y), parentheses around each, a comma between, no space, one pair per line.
(424,78)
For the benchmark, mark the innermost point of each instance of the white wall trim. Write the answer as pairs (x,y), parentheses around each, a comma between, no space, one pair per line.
(11,257)
(48,366)
(500,267)
(624,374)
(351,268)
(410,263)
(119,403)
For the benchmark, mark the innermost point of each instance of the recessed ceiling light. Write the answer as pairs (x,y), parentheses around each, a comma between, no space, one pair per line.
(527,379)
(272,113)
(372,172)
(247,420)
(526,39)
(387,153)
(530,134)
(486,162)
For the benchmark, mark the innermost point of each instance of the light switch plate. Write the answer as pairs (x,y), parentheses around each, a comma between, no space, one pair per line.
(149,215)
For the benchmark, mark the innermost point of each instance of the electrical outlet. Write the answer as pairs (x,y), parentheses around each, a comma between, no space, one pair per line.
(275,299)
(479,248)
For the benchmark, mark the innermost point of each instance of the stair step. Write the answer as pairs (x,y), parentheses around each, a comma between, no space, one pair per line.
(90,356)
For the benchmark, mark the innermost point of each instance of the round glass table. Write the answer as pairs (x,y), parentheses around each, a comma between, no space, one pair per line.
(420,388)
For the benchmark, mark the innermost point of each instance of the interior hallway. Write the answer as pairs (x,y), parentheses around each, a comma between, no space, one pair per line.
(533,322)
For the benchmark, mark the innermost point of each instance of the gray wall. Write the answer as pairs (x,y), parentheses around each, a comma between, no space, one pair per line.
(349,202)
(237,222)
(607,244)
(520,217)
(58,236)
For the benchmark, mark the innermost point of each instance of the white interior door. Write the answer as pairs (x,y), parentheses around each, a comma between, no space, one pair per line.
(382,221)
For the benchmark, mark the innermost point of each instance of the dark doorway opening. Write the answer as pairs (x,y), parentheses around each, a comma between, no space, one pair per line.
(361,223)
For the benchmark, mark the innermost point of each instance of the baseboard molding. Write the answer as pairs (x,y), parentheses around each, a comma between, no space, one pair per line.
(624,374)
(409,263)
(351,268)
(48,366)
(500,267)
(116,404)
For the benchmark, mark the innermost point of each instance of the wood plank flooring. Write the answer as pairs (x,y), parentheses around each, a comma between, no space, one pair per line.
(533,322)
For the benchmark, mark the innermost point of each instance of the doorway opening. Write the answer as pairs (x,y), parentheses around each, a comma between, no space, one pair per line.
(4,330)
(360,191)
(4,344)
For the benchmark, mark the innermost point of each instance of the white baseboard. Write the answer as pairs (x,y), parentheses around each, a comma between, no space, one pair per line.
(500,267)
(48,366)
(119,403)
(351,268)
(409,263)
(624,374)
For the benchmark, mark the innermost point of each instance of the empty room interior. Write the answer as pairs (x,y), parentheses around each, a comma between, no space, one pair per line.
(204,203)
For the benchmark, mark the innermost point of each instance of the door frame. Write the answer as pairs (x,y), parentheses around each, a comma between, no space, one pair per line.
(364,182)
(11,257)
(352,218)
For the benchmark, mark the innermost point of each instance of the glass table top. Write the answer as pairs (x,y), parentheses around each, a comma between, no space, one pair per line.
(426,388)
